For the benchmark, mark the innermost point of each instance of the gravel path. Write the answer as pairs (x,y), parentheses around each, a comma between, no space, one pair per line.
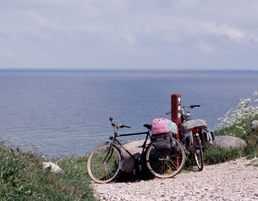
(232,181)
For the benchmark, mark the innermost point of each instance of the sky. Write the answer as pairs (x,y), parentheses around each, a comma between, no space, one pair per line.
(129,34)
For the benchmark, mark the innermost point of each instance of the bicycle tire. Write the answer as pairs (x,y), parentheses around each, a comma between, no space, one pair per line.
(165,164)
(103,163)
(198,157)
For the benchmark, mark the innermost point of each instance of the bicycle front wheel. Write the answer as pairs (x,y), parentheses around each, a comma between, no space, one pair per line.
(165,164)
(103,163)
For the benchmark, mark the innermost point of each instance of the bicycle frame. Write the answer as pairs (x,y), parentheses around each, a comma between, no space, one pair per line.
(105,160)
(116,142)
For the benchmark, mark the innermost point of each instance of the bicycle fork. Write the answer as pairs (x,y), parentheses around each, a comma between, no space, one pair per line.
(110,151)
(109,154)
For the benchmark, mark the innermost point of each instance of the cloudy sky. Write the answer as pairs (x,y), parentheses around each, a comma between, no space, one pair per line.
(135,34)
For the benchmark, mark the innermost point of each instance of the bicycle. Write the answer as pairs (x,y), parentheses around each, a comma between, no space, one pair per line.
(106,160)
(192,129)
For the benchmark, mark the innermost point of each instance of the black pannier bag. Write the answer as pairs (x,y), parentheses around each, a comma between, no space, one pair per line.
(163,142)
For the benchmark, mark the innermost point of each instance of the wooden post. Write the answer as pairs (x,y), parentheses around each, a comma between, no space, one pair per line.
(176,117)
(175,111)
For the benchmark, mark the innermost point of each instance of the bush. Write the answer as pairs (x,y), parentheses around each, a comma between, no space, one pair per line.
(22,177)
(236,123)
(214,155)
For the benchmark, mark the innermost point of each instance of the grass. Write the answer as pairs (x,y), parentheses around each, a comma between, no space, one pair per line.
(214,155)
(22,177)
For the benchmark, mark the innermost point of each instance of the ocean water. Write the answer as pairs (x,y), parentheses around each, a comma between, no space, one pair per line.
(67,113)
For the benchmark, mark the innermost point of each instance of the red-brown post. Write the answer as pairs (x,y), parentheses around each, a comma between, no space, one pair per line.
(175,111)
(176,117)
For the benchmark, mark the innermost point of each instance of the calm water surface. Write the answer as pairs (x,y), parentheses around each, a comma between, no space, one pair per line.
(66,113)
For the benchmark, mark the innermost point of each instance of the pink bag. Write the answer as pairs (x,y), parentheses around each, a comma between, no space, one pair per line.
(162,125)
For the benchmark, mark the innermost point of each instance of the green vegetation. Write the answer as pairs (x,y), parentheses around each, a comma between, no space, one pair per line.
(236,123)
(217,155)
(22,177)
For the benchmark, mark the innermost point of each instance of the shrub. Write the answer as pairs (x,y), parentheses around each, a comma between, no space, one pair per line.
(236,123)
(22,177)
(217,155)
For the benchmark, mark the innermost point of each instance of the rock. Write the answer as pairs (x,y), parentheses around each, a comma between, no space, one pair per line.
(229,142)
(135,148)
(254,125)
(53,167)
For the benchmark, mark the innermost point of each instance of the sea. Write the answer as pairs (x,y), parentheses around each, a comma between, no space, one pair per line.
(66,113)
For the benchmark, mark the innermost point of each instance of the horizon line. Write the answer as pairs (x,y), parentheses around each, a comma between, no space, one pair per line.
(129,69)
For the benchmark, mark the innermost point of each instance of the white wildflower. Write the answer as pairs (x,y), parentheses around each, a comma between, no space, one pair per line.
(243,111)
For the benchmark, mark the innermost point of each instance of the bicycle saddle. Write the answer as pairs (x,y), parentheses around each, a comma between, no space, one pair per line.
(148,126)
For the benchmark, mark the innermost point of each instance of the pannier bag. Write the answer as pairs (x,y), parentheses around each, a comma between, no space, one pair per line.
(162,134)
(163,142)
(186,129)
(207,136)
(189,125)
(162,125)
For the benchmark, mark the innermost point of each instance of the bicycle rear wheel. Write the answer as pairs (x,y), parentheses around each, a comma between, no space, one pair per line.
(165,164)
(103,163)
(198,157)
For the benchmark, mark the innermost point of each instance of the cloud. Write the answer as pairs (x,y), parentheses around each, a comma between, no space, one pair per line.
(128,38)
(120,34)
(226,30)
(205,47)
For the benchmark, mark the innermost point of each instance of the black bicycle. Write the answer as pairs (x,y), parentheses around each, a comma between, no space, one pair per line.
(106,160)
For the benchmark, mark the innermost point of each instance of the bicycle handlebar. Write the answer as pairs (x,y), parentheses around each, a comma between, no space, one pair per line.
(124,126)
(192,106)
(184,108)
(117,125)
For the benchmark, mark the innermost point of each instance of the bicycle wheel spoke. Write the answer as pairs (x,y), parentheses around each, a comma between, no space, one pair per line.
(199,159)
(175,163)
(103,163)
(167,164)
(169,167)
